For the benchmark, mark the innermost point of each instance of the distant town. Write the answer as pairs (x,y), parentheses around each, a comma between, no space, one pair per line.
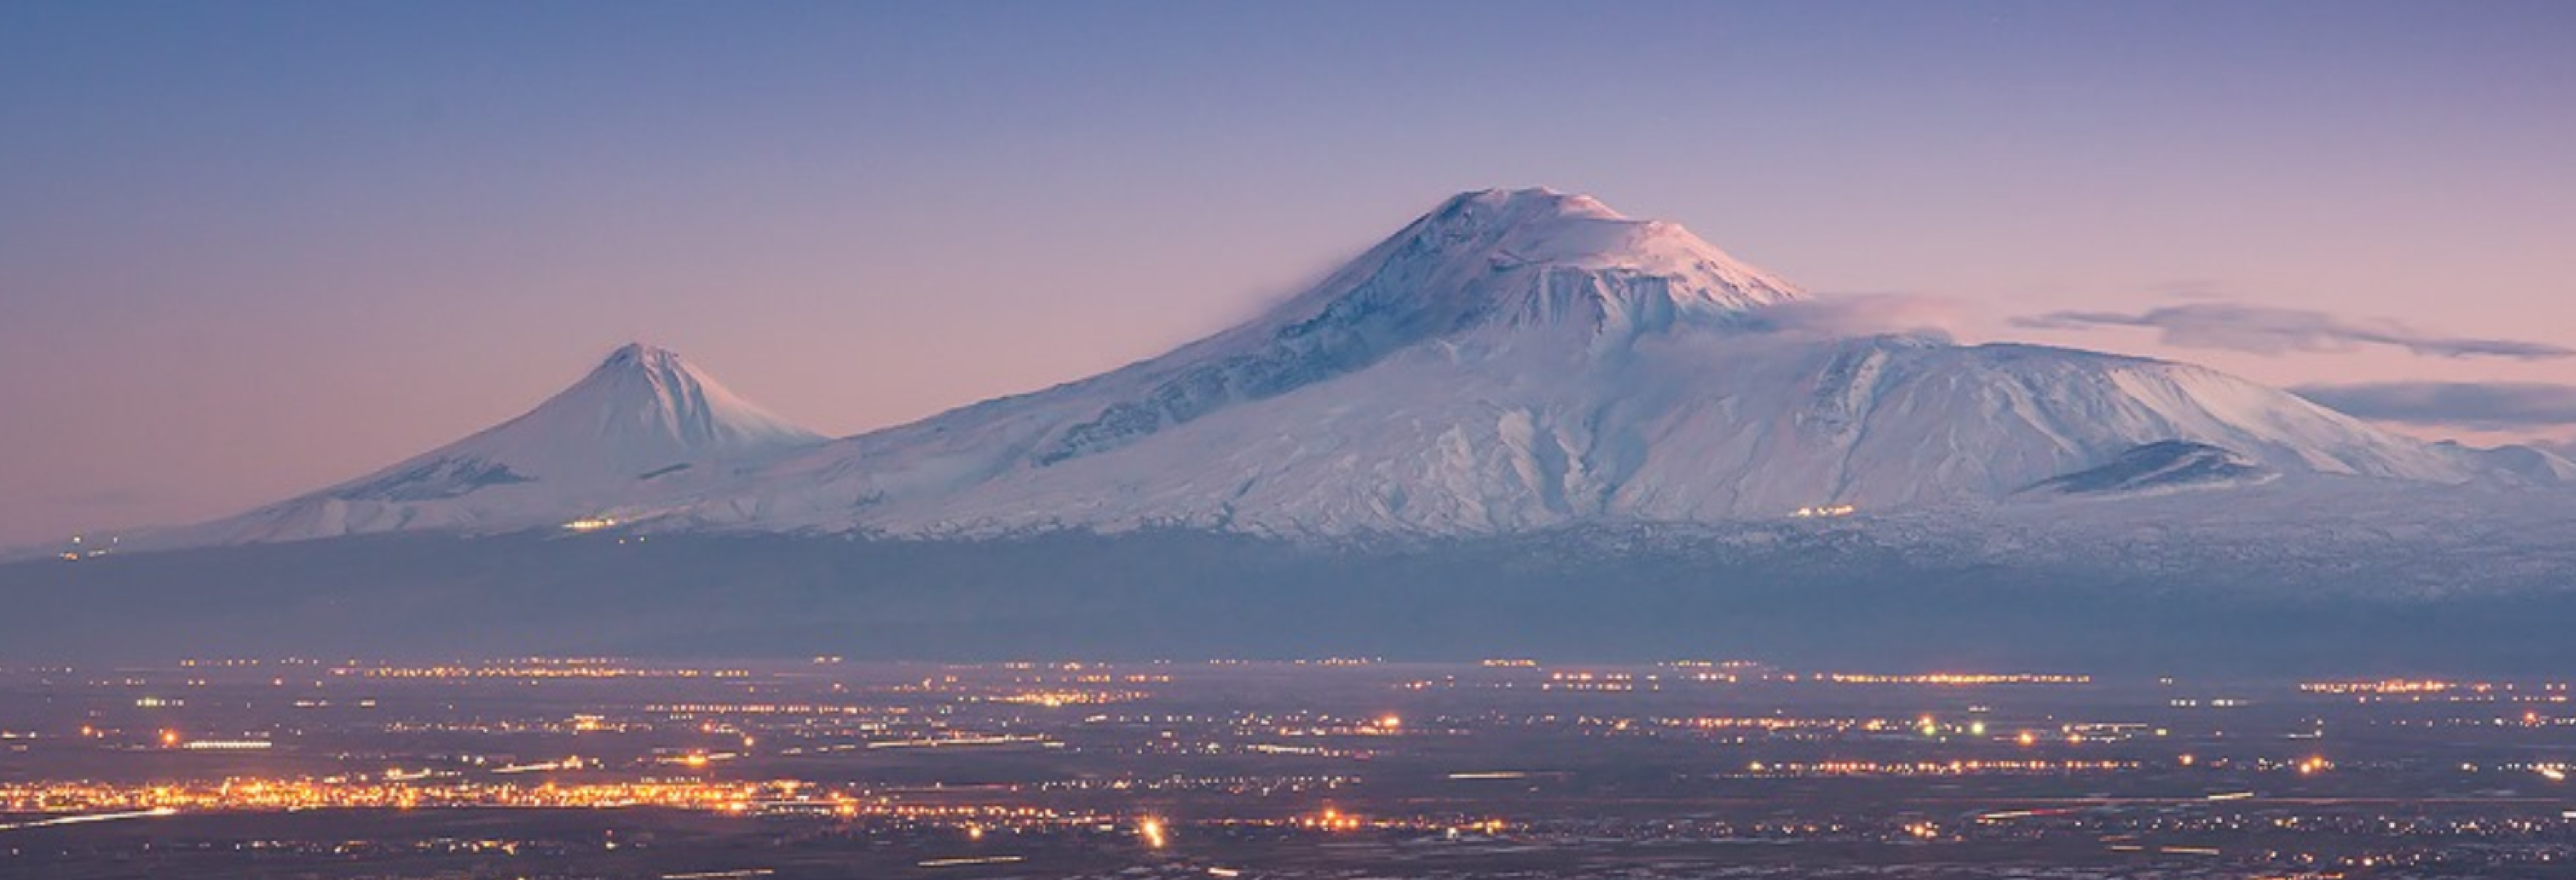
(1339,767)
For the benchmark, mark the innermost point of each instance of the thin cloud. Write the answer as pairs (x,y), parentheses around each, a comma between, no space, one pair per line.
(2486,406)
(1865,314)
(2264,330)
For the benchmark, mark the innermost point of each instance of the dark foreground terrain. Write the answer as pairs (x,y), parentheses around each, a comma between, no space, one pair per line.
(1326,768)
(1793,594)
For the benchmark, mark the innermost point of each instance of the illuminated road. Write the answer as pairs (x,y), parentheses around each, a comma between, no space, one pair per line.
(95,817)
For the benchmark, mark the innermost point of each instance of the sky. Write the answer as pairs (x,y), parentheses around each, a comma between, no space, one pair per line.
(248,249)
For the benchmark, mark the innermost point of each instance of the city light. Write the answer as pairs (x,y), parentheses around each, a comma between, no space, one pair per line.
(651,740)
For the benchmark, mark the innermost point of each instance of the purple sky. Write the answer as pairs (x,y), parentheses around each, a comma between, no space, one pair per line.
(248,249)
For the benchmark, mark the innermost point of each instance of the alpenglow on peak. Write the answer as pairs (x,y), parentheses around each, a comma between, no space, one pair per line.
(1545,227)
(1527,258)
(1534,270)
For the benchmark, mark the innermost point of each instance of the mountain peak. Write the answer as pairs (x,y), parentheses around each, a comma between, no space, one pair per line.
(1530,202)
(643,418)
(1494,267)
(643,414)
(643,410)
(638,354)
(1500,230)
(645,402)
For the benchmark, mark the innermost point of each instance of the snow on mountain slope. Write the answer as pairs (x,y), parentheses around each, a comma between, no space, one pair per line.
(642,417)
(1482,268)
(2519,465)
(1519,359)
(2163,466)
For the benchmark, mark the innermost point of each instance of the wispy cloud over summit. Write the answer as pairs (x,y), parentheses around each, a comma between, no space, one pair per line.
(1865,314)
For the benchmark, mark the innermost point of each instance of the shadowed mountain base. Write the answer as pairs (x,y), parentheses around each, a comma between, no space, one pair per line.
(1598,595)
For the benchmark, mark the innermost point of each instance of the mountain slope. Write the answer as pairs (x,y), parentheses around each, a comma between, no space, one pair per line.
(2164,466)
(643,416)
(2519,465)
(1520,359)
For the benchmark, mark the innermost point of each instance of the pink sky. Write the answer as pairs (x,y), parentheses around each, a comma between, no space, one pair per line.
(235,265)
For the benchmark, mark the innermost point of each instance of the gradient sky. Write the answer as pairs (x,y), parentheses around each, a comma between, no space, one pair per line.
(247,249)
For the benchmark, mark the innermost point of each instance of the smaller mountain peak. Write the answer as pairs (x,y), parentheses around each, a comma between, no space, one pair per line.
(643,410)
(638,354)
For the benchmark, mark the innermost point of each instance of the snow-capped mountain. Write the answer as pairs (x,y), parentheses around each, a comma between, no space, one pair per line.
(1520,359)
(643,419)
(1512,360)
(1616,439)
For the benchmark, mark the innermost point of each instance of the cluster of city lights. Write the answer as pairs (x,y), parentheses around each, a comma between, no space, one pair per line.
(531,671)
(1955,679)
(1936,768)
